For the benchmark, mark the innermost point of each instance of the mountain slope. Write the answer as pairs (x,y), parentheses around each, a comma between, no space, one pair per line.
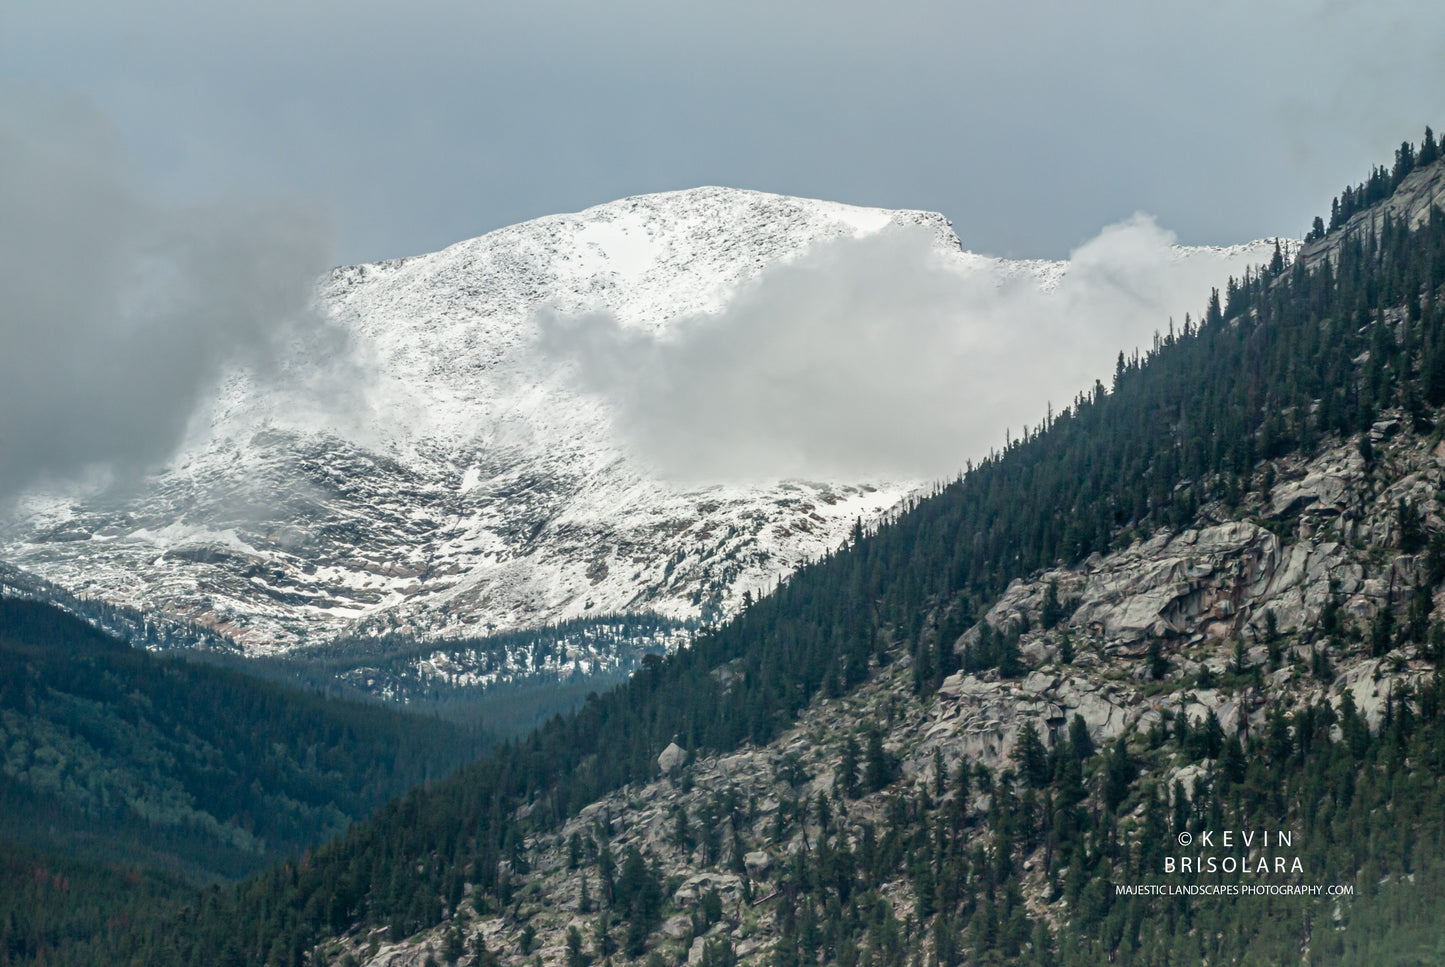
(114,753)
(1244,523)
(460,483)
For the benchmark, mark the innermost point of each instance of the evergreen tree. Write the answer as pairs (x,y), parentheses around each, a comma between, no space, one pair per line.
(1052,610)
(1031,757)
(1158,664)
(845,777)
(1079,739)
(1066,649)
(575,955)
(878,766)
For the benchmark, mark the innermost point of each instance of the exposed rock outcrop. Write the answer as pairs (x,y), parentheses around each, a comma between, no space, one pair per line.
(671,757)
(1410,203)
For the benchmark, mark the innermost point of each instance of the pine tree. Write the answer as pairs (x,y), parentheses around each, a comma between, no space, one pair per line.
(878,765)
(1066,649)
(845,777)
(453,946)
(1119,773)
(1158,664)
(1429,150)
(1031,757)
(1079,738)
(1051,611)
(1213,313)
(575,956)
(603,944)
(1011,661)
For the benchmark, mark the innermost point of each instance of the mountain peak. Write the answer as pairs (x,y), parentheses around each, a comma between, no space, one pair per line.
(472,485)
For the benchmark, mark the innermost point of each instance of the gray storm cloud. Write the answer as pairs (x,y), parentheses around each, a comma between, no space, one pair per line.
(118,310)
(881,356)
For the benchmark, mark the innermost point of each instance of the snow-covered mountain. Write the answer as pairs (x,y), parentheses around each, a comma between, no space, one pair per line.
(437,477)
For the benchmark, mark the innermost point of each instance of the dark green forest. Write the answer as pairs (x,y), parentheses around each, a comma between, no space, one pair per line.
(122,766)
(1285,361)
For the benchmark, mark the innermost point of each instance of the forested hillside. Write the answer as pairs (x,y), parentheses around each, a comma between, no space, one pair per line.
(159,769)
(977,864)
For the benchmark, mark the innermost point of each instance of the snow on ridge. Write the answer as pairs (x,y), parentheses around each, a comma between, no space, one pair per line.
(478,491)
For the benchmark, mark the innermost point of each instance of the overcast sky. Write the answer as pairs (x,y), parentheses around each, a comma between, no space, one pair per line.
(1030,124)
(173,175)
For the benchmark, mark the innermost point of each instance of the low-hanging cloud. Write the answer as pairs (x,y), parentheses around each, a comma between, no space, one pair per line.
(118,310)
(881,356)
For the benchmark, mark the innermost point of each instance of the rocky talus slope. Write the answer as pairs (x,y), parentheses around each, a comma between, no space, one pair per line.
(1214,624)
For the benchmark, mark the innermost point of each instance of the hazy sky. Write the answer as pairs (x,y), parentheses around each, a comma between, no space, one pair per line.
(1030,124)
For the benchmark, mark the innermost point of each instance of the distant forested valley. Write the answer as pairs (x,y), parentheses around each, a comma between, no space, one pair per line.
(124,768)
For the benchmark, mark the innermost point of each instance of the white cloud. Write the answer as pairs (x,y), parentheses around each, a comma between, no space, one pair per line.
(883,355)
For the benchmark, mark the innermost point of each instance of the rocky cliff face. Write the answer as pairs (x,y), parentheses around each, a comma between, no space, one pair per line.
(1221,620)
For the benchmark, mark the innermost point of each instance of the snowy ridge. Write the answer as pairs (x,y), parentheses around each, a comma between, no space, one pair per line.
(469,488)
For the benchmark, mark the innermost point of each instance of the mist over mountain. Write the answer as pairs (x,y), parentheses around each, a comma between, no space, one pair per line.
(650,406)
(885,353)
(119,311)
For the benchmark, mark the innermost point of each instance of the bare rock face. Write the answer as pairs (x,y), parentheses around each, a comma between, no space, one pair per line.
(1223,579)
(1213,582)
(1165,586)
(1410,204)
(1194,594)
(672,757)
(727,886)
(979,718)
(1323,493)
